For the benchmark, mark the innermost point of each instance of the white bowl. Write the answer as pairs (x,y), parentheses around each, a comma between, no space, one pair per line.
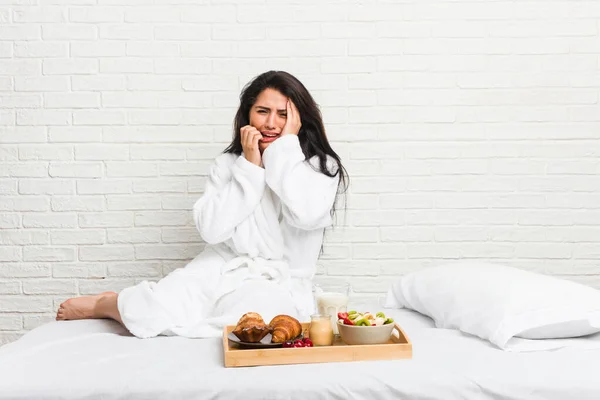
(352,334)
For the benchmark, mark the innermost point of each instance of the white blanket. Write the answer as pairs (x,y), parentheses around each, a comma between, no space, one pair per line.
(98,359)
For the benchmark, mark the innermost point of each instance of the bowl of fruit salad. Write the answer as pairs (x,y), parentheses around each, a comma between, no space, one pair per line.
(364,328)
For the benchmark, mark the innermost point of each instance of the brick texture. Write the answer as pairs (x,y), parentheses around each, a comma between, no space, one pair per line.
(471,130)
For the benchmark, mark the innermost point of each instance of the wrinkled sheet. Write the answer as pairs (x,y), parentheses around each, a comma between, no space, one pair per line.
(98,359)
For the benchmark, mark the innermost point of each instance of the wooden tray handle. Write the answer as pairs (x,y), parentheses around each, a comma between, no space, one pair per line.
(396,332)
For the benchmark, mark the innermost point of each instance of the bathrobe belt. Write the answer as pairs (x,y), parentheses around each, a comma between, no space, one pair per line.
(259,268)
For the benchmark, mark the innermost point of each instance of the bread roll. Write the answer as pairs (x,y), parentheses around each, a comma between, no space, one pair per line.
(284,328)
(251,328)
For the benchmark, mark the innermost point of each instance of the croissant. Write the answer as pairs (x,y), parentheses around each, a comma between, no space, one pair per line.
(284,328)
(251,328)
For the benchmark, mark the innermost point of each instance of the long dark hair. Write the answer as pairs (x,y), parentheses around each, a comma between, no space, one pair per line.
(312,137)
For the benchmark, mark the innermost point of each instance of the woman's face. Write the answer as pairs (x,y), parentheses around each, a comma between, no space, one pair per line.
(268,115)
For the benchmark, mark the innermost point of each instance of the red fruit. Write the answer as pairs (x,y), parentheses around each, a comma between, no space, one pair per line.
(308,342)
(299,343)
(348,321)
(288,344)
(342,315)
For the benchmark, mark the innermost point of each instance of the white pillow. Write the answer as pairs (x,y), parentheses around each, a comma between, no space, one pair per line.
(498,303)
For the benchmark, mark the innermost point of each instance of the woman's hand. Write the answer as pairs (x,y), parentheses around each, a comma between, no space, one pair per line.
(293,122)
(250,137)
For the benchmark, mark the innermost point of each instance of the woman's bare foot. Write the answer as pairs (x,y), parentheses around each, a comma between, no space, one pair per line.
(85,307)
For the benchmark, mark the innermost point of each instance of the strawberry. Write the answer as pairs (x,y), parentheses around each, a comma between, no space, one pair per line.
(347,321)
(342,315)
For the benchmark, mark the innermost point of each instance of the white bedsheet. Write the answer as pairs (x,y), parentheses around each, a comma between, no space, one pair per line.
(98,359)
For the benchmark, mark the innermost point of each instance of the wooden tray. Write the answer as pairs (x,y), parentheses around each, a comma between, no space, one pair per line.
(399,346)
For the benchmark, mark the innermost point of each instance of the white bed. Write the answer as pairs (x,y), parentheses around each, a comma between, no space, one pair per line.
(98,359)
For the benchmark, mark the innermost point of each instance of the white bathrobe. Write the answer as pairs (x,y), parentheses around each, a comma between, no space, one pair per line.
(263,228)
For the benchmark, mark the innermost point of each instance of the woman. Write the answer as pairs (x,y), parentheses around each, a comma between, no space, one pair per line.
(267,201)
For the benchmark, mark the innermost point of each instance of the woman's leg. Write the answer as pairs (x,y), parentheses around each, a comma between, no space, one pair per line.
(103,305)
(150,308)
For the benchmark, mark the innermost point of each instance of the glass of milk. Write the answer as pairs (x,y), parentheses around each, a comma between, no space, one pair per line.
(332,302)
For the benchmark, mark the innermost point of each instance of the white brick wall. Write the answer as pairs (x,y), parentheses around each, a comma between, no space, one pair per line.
(471,130)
